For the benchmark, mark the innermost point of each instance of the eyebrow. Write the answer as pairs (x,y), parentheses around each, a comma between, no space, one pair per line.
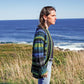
(54,14)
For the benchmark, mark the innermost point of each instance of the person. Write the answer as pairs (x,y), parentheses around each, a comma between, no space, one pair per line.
(42,51)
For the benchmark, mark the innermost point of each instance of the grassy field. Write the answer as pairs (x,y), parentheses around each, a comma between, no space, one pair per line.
(16,60)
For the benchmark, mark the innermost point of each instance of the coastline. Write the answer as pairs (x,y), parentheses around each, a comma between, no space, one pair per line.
(55,47)
(61,49)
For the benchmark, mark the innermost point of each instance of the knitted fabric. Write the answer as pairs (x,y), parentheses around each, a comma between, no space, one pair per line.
(42,50)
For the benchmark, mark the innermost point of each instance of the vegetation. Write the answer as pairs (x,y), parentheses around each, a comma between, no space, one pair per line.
(16,60)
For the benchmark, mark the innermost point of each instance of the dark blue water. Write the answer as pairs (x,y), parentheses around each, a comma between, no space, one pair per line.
(66,33)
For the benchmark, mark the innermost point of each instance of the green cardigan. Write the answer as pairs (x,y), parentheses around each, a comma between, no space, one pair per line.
(42,49)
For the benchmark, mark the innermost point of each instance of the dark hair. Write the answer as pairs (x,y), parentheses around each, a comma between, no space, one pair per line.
(45,11)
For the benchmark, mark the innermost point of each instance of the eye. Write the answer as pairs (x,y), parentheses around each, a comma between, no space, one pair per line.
(53,15)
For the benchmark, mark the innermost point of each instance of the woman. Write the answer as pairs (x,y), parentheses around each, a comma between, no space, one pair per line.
(42,54)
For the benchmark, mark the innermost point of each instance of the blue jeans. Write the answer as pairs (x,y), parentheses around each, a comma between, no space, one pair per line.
(46,80)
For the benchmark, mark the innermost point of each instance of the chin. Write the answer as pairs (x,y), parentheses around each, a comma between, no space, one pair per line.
(53,23)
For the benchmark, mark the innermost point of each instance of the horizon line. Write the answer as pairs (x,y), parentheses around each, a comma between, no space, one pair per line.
(36,19)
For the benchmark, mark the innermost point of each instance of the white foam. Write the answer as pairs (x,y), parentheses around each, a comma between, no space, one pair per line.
(23,42)
(71,46)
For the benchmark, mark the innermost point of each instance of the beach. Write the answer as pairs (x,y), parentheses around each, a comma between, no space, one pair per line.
(16,60)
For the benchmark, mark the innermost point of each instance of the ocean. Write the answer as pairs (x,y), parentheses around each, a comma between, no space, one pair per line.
(66,33)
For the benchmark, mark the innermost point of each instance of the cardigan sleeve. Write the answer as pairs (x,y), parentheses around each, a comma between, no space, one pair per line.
(39,56)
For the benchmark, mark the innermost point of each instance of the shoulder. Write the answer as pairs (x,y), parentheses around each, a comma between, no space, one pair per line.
(40,31)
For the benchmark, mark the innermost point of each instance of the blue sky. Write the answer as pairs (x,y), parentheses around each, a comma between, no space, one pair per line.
(30,9)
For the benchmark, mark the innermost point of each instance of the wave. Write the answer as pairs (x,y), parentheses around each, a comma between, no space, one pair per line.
(22,42)
(70,37)
(63,45)
(71,46)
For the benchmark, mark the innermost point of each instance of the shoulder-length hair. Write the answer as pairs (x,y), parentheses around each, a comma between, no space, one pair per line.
(45,11)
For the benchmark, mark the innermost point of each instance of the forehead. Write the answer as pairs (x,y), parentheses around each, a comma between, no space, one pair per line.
(52,12)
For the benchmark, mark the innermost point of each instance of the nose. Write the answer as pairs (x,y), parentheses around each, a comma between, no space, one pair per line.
(55,18)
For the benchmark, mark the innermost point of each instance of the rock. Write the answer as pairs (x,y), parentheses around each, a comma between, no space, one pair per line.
(67,50)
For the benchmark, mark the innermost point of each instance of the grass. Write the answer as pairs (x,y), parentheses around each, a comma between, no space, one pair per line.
(16,60)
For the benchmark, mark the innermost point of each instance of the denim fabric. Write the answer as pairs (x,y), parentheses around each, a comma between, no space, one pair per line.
(46,80)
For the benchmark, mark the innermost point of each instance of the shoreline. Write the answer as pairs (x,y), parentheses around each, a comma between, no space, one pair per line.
(66,50)
(55,47)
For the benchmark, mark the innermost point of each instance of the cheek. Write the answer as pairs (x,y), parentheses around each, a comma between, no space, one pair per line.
(50,20)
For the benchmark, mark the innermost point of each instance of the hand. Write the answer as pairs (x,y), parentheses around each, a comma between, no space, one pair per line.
(44,75)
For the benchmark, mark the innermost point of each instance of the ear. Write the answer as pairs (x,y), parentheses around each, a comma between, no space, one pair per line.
(45,17)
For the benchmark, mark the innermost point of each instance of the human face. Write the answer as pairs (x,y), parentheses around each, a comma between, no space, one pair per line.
(51,18)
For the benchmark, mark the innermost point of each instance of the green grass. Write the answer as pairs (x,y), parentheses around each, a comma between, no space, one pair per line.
(16,60)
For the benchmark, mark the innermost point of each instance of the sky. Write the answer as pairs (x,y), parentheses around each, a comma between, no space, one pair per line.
(30,9)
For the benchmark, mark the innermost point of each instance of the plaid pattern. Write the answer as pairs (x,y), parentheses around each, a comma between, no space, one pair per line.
(42,48)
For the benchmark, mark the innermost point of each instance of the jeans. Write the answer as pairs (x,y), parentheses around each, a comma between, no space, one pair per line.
(46,80)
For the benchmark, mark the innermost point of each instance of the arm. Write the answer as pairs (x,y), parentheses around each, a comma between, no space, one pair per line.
(39,57)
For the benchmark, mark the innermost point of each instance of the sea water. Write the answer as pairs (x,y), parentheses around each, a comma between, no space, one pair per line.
(66,33)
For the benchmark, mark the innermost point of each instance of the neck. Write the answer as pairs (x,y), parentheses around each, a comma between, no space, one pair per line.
(47,25)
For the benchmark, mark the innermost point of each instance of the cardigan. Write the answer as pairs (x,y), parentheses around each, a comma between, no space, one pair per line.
(41,52)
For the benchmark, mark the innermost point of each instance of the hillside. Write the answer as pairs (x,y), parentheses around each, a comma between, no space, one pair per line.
(16,60)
